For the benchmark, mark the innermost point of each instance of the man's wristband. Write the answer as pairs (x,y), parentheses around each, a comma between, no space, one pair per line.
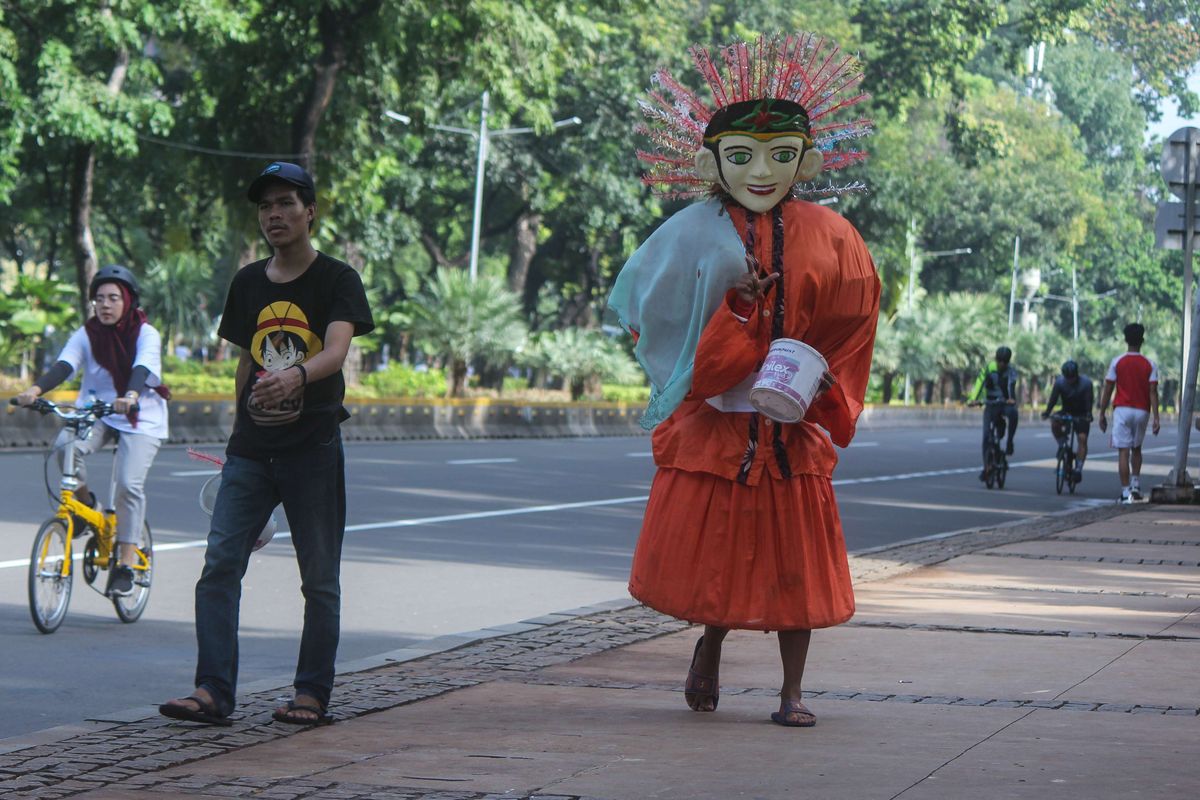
(303,374)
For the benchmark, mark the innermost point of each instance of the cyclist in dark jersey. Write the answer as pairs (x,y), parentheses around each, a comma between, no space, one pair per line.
(999,381)
(1077,396)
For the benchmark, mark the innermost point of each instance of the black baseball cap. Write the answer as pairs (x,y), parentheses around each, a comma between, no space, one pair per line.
(281,171)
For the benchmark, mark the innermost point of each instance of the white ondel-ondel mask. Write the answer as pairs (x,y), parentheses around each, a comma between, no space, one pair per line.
(759,172)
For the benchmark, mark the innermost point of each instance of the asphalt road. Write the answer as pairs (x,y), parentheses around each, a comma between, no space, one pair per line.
(448,536)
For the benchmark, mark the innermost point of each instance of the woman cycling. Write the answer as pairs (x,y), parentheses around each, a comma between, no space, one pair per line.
(119,356)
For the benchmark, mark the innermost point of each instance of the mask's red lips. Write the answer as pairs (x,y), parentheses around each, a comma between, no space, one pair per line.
(764,190)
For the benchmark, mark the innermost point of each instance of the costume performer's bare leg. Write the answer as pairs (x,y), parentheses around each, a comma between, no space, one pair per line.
(793,650)
(708,660)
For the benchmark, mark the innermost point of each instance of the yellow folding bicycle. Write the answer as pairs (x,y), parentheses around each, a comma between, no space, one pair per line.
(51,565)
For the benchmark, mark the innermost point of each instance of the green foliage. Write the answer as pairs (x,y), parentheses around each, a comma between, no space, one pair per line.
(190,383)
(964,152)
(402,380)
(31,309)
(462,321)
(582,357)
(620,393)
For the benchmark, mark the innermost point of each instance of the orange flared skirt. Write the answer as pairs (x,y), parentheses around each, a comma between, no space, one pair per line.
(769,557)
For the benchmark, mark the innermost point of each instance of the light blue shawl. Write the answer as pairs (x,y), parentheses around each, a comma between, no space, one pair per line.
(667,292)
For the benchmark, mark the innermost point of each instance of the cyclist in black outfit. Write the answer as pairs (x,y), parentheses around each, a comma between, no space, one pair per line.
(999,380)
(1075,393)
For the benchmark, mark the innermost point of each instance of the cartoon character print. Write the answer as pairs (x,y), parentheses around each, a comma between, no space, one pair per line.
(282,339)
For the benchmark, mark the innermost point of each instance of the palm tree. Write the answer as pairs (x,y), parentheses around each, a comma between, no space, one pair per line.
(967,329)
(583,358)
(178,295)
(885,361)
(462,321)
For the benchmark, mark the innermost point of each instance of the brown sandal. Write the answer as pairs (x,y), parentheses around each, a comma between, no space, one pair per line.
(699,688)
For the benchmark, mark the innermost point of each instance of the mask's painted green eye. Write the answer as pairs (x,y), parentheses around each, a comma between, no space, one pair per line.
(740,158)
(784,156)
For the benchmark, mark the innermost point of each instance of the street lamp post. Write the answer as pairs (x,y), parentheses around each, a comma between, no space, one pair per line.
(1012,291)
(483,137)
(1074,301)
(915,259)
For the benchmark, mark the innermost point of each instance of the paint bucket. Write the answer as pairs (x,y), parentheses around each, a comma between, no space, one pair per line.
(788,381)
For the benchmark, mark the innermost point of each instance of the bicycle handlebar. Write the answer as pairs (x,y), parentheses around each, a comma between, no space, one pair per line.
(1065,417)
(95,411)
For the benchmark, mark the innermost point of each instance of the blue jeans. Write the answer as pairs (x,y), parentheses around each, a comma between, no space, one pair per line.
(311,485)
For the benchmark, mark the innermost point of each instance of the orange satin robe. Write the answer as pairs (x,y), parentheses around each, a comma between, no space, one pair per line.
(764,552)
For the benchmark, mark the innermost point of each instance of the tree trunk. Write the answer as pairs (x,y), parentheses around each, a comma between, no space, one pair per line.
(457,378)
(593,388)
(83,169)
(887,387)
(84,247)
(523,250)
(577,312)
(333,26)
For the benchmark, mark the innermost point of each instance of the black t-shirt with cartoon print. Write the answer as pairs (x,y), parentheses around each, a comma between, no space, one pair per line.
(282,324)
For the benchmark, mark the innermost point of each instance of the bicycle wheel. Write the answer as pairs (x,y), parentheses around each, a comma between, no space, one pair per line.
(1001,469)
(989,467)
(129,608)
(49,587)
(1070,465)
(1060,475)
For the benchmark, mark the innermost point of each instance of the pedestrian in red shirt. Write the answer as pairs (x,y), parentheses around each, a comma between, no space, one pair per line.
(1136,380)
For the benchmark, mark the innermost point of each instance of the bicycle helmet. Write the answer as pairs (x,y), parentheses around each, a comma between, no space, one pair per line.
(1004,354)
(1070,369)
(111,273)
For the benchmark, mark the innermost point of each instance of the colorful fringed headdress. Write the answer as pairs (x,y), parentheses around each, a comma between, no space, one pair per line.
(790,85)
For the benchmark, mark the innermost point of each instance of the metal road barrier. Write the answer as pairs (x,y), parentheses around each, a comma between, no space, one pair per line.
(196,420)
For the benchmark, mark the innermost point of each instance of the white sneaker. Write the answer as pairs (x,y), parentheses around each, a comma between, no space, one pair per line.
(1135,495)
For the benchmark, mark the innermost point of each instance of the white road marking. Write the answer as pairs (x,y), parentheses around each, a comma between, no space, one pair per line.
(508,512)
(192,473)
(937,441)
(482,461)
(1041,436)
(401,523)
(639,455)
(864,444)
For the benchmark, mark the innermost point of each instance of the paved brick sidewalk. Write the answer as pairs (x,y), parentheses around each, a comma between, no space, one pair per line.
(506,677)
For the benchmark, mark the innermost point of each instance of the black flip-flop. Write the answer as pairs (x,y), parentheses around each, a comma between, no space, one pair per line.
(205,712)
(780,717)
(284,715)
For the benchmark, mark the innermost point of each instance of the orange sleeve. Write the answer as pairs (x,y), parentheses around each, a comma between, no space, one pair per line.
(845,335)
(728,351)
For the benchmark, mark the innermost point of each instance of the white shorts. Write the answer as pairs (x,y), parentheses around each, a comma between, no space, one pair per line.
(1128,427)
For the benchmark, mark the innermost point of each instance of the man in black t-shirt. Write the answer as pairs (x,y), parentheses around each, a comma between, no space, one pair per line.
(293,315)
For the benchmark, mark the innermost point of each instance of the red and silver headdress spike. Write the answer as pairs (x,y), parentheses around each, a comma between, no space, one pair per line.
(802,68)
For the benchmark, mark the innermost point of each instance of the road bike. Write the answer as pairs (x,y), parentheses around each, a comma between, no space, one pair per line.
(995,460)
(51,564)
(1064,472)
